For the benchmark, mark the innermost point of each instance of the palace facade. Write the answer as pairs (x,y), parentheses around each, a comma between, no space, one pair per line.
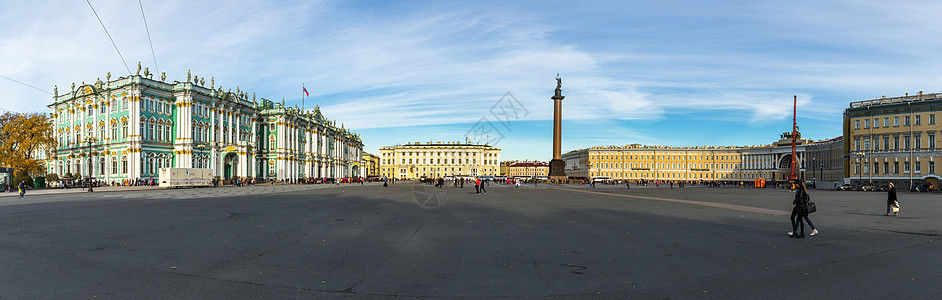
(434,160)
(530,169)
(893,140)
(128,128)
(816,161)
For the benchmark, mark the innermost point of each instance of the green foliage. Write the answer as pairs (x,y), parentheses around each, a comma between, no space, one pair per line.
(22,176)
(52,177)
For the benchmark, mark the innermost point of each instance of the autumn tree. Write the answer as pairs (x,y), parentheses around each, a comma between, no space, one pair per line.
(22,138)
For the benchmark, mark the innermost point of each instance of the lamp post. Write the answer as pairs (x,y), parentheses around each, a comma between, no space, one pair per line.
(860,166)
(813,178)
(90,140)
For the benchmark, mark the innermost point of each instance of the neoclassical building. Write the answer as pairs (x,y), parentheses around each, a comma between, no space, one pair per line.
(434,160)
(816,161)
(893,140)
(130,127)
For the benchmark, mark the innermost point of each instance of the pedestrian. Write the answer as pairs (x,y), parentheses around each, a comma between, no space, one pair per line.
(892,204)
(517,183)
(22,188)
(628,184)
(477,185)
(799,211)
(804,189)
(672,185)
(484,182)
(385,184)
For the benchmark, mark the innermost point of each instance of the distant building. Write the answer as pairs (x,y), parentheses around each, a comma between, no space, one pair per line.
(893,140)
(528,169)
(370,165)
(709,163)
(505,167)
(435,160)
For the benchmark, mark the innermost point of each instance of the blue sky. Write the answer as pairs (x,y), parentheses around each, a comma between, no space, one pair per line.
(680,73)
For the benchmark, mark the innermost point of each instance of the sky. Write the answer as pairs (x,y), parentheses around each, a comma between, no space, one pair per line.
(675,73)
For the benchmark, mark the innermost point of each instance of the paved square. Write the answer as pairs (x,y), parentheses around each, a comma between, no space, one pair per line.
(412,240)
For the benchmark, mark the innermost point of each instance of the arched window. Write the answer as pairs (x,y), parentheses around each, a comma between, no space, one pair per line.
(114,165)
(114,130)
(101,165)
(124,128)
(160,163)
(167,136)
(124,164)
(150,129)
(159,134)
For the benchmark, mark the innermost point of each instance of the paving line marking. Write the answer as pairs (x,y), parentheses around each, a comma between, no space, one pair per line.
(702,203)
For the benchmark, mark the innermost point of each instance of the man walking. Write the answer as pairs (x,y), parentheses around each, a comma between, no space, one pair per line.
(477,185)
(482,186)
(22,188)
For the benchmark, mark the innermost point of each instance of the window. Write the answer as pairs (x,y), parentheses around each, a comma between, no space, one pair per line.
(931,119)
(931,144)
(124,128)
(876,122)
(886,122)
(101,107)
(101,132)
(906,142)
(886,142)
(931,166)
(867,123)
(918,167)
(896,121)
(91,110)
(876,167)
(114,132)
(896,142)
(917,141)
(906,121)
(114,165)
(896,167)
(917,121)
(857,144)
(866,142)
(906,167)
(150,130)
(886,167)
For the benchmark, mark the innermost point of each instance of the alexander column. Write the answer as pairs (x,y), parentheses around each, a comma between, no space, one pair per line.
(557,165)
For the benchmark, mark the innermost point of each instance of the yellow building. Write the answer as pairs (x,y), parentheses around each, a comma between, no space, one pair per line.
(531,169)
(708,163)
(505,167)
(436,160)
(370,165)
(893,140)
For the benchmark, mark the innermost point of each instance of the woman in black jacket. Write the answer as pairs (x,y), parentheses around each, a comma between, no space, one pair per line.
(799,211)
(891,200)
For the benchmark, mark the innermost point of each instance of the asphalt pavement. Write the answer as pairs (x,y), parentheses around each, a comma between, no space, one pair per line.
(417,241)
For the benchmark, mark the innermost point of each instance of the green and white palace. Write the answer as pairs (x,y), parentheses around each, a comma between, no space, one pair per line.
(128,128)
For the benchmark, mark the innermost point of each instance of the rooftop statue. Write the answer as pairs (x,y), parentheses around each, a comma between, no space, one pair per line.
(188,76)
(138,68)
(163,76)
(55,90)
(108,76)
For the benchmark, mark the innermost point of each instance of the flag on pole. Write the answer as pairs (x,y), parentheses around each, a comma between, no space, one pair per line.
(305,91)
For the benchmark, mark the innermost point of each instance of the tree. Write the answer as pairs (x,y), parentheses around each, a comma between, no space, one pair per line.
(23,136)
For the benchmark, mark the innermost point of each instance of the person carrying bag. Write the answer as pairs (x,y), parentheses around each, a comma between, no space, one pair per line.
(892,204)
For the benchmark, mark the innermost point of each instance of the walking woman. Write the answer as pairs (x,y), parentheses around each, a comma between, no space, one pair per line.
(799,211)
(804,190)
(892,204)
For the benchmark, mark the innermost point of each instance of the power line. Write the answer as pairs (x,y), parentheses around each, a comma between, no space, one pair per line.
(109,36)
(17,81)
(148,38)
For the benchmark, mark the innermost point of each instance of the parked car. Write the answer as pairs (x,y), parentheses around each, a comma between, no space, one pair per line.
(919,186)
(884,188)
(845,187)
(866,187)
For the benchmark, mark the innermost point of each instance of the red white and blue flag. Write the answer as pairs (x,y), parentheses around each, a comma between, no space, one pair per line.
(305,91)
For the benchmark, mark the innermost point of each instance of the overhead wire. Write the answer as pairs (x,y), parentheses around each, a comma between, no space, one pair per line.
(23,83)
(109,37)
(154,54)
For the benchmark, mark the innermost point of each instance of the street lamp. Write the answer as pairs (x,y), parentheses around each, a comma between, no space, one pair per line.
(860,167)
(89,140)
(813,178)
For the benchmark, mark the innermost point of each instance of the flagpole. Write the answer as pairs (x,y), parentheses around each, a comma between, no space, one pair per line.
(302,96)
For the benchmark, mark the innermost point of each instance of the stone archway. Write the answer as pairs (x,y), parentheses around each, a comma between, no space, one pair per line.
(933,180)
(230,165)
